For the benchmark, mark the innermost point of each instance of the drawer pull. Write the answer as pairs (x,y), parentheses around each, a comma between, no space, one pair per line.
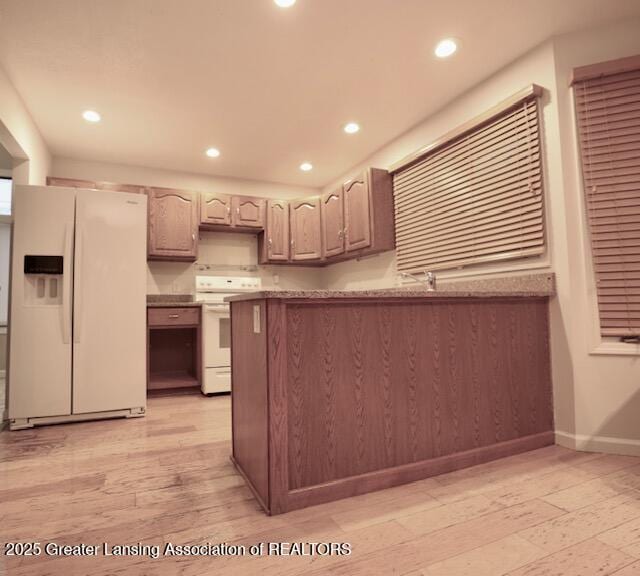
(159,317)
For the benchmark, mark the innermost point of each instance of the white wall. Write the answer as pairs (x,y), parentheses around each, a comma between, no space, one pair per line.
(31,161)
(124,174)
(533,68)
(536,67)
(219,249)
(606,374)
(596,396)
(5,244)
(215,249)
(21,138)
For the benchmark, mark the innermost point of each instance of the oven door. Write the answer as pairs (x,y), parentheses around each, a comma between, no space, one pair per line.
(217,349)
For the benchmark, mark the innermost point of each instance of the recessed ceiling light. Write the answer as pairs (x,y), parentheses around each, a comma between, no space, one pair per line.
(306,166)
(212,152)
(285,3)
(446,48)
(351,128)
(91,116)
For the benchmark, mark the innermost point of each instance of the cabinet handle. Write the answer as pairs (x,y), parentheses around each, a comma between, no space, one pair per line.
(270,242)
(340,233)
(228,210)
(193,237)
(238,211)
(174,315)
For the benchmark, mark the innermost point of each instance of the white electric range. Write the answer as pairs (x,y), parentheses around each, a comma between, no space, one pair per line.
(216,328)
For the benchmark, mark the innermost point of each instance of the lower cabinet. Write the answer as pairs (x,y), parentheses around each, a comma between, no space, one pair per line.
(174,347)
(306,236)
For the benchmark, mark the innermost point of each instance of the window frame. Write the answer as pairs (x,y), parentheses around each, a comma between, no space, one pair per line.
(540,260)
(598,343)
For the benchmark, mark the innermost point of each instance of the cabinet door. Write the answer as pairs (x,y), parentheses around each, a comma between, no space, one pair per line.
(357,214)
(305,229)
(277,230)
(173,224)
(332,223)
(248,212)
(215,209)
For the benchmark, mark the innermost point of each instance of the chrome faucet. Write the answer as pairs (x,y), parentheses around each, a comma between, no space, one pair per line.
(427,278)
(430,277)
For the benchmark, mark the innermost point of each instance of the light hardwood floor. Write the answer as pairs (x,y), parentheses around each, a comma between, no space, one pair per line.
(167,478)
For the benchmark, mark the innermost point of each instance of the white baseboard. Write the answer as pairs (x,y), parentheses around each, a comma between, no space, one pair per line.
(607,444)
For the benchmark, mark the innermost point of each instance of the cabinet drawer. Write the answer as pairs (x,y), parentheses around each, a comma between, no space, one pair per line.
(173,316)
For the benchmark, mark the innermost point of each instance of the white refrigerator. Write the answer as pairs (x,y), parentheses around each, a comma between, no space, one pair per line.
(77,324)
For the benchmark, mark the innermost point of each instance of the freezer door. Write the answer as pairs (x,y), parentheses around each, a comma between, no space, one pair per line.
(109,326)
(40,302)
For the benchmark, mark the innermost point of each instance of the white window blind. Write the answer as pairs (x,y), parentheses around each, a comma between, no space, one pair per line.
(607,98)
(476,195)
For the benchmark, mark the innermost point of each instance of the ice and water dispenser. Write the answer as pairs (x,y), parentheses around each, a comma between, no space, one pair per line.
(43,280)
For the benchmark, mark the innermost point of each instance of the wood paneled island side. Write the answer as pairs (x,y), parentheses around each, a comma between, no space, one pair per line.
(340,393)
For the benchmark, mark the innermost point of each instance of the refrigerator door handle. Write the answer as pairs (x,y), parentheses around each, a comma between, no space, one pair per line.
(66,285)
(77,285)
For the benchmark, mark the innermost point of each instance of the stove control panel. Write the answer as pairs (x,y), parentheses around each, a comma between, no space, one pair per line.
(228,284)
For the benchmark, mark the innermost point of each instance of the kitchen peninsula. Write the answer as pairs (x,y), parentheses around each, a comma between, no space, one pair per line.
(341,393)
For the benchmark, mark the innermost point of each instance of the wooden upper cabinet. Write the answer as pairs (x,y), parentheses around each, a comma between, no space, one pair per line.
(71,183)
(173,224)
(354,221)
(357,213)
(220,211)
(275,239)
(131,188)
(305,231)
(111,186)
(215,209)
(248,212)
(332,211)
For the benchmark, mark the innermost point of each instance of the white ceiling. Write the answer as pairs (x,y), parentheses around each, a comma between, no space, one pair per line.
(269,87)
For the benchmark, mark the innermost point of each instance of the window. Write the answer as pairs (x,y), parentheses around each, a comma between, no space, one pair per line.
(476,195)
(5,196)
(607,98)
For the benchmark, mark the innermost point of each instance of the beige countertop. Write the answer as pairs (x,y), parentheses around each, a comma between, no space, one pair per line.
(385,293)
(523,286)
